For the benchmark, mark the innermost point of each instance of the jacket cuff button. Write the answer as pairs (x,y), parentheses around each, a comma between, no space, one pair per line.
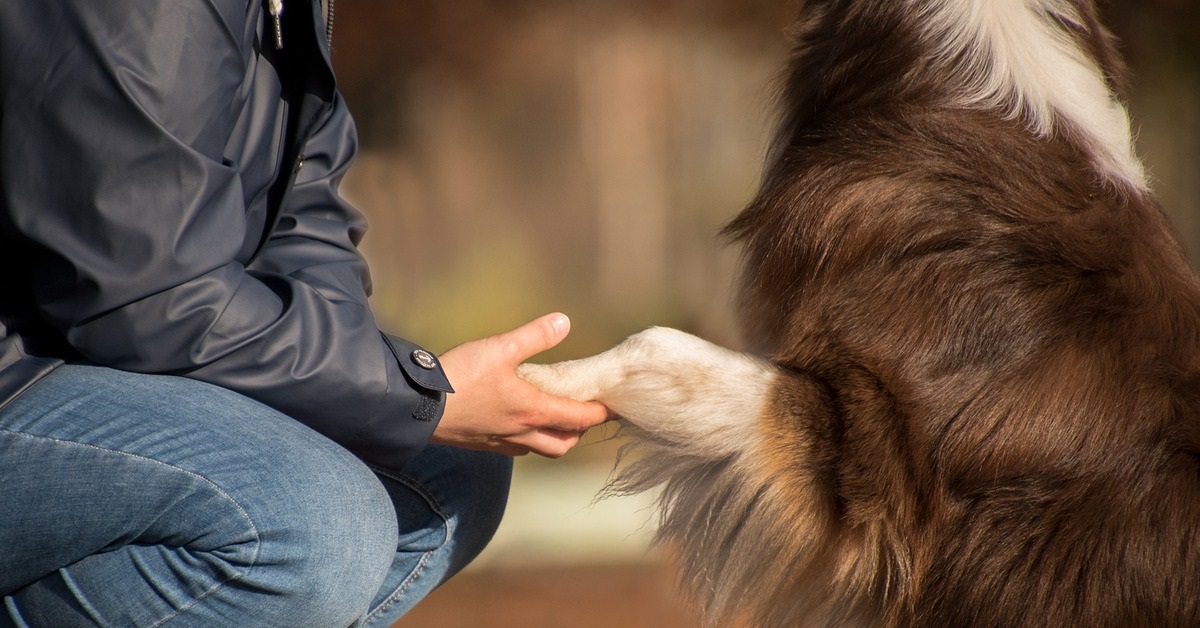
(424,359)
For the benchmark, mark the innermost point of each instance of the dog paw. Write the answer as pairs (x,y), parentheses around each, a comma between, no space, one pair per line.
(573,380)
(667,382)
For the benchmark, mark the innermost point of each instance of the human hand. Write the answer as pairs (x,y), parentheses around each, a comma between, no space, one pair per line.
(495,410)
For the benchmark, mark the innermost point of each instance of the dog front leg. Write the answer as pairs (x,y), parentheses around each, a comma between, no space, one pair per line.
(675,386)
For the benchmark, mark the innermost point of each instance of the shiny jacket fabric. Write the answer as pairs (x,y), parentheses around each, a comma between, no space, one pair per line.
(169,204)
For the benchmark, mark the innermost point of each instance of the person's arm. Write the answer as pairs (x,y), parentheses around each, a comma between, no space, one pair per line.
(491,409)
(115,118)
(313,249)
(114,123)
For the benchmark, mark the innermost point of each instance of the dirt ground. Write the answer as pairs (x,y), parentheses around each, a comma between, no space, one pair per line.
(617,596)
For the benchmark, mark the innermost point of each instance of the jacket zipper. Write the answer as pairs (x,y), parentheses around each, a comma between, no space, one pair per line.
(275,7)
(329,24)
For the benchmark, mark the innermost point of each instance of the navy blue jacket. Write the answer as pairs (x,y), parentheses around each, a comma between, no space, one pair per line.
(169,204)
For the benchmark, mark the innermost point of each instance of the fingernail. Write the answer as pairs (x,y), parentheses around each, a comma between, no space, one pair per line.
(560,323)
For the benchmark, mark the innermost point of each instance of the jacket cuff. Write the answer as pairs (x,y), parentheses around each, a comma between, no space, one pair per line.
(396,435)
(424,373)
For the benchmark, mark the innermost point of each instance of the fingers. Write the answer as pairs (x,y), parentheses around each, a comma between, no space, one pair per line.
(566,415)
(558,436)
(496,410)
(544,442)
(560,414)
(551,443)
(534,337)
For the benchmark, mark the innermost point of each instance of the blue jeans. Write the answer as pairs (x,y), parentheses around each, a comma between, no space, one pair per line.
(148,500)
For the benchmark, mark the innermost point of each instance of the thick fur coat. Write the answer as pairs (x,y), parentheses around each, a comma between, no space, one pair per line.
(974,393)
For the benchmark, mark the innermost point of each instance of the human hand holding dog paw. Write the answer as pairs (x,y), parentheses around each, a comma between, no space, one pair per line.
(495,410)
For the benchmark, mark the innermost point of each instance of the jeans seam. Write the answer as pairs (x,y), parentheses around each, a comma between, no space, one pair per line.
(241,509)
(420,489)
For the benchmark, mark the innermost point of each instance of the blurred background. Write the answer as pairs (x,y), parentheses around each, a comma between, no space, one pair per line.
(526,156)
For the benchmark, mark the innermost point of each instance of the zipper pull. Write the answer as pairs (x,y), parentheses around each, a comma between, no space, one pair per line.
(276,8)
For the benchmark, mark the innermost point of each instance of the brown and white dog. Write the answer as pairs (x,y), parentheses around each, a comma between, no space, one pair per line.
(979,397)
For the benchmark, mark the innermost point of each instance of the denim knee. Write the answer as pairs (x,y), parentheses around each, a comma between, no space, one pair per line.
(328,537)
(216,510)
(449,503)
(486,497)
(471,489)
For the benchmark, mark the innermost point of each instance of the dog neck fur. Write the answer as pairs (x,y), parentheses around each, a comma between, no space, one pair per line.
(1020,57)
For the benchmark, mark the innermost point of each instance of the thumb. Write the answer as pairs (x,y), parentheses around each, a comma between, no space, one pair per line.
(535,337)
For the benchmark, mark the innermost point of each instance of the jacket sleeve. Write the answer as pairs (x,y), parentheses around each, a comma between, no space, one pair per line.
(314,244)
(114,120)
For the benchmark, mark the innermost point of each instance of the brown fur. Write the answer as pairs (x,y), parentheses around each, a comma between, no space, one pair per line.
(981,404)
(992,410)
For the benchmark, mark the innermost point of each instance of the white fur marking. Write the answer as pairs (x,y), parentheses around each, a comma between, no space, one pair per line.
(1018,59)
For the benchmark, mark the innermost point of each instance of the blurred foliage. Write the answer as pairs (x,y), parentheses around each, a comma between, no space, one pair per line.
(523,156)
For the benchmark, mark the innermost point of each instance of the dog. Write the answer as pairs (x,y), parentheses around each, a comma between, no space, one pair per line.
(971,395)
